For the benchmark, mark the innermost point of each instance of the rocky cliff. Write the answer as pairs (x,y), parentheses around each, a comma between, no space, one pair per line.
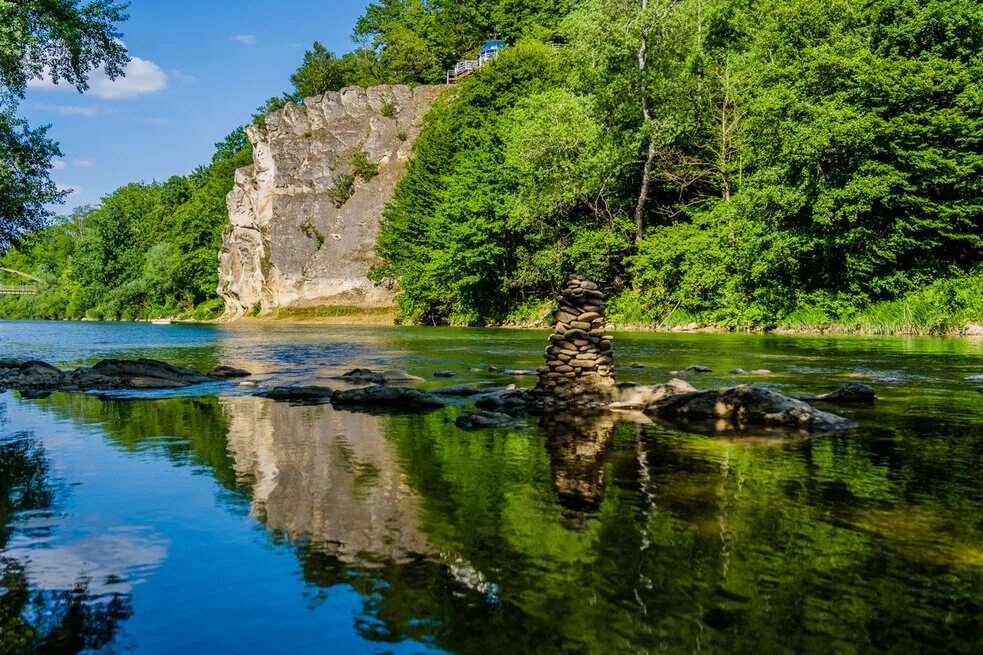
(303,219)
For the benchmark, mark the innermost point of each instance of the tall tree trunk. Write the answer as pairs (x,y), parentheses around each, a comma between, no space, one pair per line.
(643,193)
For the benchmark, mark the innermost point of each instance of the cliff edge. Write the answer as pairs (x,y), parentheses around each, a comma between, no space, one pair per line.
(303,219)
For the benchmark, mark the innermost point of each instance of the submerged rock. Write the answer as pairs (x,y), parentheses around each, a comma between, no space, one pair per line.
(368,376)
(852,392)
(697,368)
(462,390)
(973,378)
(444,374)
(388,397)
(485,419)
(746,405)
(298,394)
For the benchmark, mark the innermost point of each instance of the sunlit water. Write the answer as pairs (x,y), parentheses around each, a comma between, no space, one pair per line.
(213,521)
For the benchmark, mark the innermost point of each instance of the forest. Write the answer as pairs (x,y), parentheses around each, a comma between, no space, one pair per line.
(749,165)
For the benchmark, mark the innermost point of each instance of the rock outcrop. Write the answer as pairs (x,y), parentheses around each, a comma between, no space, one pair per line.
(303,219)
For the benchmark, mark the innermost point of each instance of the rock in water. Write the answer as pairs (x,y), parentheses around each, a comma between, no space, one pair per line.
(298,394)
(368,376)
(485,420)
(302,227)
(228,372)
(387,398)
(579,365)
(746,405)
(852,392)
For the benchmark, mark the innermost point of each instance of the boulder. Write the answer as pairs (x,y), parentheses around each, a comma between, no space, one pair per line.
(298,394)
(444,374)
(228,372)
(637,397)
(387,398)
(697,369)
(746,405)
(484,420)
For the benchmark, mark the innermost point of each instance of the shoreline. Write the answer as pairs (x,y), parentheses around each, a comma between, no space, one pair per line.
(385,317)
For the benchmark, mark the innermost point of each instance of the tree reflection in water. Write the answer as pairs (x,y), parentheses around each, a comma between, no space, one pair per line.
(587,535)
(39,620)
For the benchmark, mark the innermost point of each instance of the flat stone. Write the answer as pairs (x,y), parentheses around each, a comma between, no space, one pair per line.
(387,397)
(588,316)
(297,394)
(579,325)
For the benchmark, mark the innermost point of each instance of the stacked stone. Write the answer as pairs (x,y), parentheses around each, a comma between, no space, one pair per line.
(578,360)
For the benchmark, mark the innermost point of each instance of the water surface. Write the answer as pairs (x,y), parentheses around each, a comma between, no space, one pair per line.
(212,520)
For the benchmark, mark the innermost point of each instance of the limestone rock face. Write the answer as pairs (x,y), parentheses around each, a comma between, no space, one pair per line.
(291,240)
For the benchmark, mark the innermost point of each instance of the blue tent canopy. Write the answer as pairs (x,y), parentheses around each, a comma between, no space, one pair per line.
(492,45)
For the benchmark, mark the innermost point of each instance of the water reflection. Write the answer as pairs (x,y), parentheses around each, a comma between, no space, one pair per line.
(577,444)
(581,534)
(53,600)
(325,478)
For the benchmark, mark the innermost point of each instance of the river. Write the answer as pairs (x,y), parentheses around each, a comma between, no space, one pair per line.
(210,520)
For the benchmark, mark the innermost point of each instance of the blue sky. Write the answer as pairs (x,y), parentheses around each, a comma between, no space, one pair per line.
(200,68)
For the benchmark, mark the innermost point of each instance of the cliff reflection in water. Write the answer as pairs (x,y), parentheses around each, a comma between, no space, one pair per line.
(325,478)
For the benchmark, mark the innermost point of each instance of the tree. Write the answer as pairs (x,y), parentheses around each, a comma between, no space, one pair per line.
(321,72)
(64,40)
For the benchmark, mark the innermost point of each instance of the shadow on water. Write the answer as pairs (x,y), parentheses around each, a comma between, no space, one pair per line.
(582,534)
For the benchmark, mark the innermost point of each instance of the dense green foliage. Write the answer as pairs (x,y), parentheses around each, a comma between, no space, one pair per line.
(147,250)
(65,40)
(757,161)
(771,164)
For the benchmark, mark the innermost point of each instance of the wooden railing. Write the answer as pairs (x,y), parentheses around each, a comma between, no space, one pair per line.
(18,291)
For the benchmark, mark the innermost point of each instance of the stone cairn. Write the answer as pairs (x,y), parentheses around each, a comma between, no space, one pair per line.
(579,362)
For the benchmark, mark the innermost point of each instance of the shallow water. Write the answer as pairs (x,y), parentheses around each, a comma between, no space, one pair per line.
(212,520)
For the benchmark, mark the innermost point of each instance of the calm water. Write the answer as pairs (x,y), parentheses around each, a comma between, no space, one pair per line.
(215,521)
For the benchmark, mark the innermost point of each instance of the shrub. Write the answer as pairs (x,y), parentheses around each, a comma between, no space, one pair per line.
(342,189)
(363,167)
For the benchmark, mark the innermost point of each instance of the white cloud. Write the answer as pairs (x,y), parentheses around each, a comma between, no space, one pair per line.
(154,121)
(83,163)
(296,46)
(181,76)
(68,110)
(58,164)
(143,77)
(245,39)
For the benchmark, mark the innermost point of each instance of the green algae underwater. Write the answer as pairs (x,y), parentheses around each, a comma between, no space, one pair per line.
(155,522)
